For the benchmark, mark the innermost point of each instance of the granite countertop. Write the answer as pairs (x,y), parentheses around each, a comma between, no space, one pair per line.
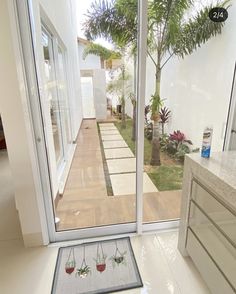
(218,172)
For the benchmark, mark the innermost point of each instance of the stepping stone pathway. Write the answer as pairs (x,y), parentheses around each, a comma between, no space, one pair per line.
(121,163)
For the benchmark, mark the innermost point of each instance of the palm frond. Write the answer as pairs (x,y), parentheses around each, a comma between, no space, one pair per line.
(101,51)
(197,31)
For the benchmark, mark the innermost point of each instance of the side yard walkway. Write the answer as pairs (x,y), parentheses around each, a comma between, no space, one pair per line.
(85,202)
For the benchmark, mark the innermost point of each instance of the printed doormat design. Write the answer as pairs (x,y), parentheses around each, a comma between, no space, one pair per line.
(97,267)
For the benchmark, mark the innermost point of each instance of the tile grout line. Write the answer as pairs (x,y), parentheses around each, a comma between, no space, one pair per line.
(168,264)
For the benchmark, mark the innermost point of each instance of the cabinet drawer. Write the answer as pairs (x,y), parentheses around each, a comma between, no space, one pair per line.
(217,246)
(218,213)
(209,271)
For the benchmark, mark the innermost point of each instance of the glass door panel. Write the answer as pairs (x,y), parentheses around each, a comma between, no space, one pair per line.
(63,95)
(188,89)
(52,97)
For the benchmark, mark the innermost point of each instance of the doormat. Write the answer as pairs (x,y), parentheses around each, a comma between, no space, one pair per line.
(97,267)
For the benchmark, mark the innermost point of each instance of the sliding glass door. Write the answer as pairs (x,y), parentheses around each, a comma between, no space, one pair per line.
(151,105)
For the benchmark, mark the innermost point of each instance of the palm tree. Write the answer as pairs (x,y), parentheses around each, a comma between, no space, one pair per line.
(120,86)
(174,33)
(114,22)
(175,28)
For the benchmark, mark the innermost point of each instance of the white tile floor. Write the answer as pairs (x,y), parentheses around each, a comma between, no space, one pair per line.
(163,269)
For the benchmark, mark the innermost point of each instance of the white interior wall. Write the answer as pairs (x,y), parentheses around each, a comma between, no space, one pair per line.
(9,219)
(197,88)
(18,133)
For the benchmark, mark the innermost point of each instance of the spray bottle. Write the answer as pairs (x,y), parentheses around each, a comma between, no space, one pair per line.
(206,142)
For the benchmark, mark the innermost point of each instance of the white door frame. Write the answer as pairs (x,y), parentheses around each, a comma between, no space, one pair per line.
(231,113)
(27,34)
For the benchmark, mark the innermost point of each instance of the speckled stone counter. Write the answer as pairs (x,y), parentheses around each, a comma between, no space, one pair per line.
(218,174)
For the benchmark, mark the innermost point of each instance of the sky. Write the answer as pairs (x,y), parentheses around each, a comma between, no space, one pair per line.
(82,7)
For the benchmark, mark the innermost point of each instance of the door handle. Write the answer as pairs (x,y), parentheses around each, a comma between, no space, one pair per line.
(233,131)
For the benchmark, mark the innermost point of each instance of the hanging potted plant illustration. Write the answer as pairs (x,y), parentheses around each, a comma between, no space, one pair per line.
(118,258)
(100,259)
(70,264)
(84,269)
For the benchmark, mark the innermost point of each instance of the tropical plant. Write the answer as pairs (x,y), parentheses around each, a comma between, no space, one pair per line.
(164,117)
(178,145)
(175,28)
(120,86)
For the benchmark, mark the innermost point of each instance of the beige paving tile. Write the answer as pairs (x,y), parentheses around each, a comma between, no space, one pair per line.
(124,184)
(109,132)
(117,166)
(114,144)
(112,138)
(106,124)
(108,128)
(118,153)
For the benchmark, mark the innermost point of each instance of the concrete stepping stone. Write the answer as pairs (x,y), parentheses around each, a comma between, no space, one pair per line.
(124,165)
(112,138)
(125,184)
(108,129)
(106,125)
(114,144)
(109,132)
(118,153)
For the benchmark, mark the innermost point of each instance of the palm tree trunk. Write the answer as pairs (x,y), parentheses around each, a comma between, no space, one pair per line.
(123,121)
(155,159)
(134,122)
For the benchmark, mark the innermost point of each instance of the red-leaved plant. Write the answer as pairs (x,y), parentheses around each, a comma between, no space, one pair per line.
(178,145)
(164,117)
(179,137)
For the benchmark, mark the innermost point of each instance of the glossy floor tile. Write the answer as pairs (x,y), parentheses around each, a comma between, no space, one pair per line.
(125,184)
(118,153)
(162,268)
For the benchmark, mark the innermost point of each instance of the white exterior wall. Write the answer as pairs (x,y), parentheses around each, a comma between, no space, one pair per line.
(90,62)
(99,90)
(198,88)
